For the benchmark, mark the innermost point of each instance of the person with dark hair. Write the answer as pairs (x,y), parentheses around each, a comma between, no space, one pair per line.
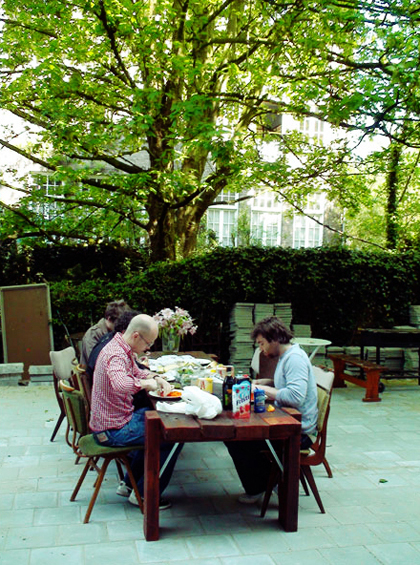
(121,324)
(293,385)
(140,399)
(106,324)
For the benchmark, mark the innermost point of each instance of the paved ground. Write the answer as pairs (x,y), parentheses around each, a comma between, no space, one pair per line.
(372,503)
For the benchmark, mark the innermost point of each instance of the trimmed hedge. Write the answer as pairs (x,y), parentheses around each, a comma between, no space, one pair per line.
(336,291)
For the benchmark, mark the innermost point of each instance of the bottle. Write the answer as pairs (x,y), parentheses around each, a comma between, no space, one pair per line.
(259,400)
(227,388)
(241,378)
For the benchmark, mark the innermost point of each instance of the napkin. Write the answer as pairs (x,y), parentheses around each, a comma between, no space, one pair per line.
(197,403)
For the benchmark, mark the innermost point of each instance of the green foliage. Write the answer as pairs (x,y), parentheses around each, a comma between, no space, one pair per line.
(336,291)
(147,110)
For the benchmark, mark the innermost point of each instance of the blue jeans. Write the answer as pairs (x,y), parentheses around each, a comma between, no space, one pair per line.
(133,433)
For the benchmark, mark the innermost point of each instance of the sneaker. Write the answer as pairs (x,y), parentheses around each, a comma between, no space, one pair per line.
(249,498)
(123,489)
(163,502)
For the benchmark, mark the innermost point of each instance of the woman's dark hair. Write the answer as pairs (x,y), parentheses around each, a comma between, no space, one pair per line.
(115,309)
(121,323)
(272,329)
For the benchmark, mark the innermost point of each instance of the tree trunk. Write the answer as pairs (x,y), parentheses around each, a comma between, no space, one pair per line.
(392,198)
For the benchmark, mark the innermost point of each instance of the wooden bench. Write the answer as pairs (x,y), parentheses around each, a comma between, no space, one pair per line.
(372,371)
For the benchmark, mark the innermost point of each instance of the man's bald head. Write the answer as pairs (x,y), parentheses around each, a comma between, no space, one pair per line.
(141,332)
(142,323)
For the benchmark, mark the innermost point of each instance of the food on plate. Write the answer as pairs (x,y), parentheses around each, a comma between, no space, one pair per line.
(172,394)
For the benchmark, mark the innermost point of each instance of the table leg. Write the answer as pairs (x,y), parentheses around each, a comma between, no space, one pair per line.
(289,485)
(314,352)
(151,477)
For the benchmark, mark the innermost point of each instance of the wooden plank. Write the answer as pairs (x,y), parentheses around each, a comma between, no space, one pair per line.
(282,427)
(179,427)
(221,428)
(288,487)
(362,363)
(151,476)
(252,428)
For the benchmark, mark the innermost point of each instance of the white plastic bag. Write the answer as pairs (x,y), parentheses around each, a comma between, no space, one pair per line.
(201,403)
(197,402)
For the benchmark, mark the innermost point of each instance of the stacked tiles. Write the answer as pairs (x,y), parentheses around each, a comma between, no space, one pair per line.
(411,356)
(284,311)
(301,330)
(390,357)
(262,311)
(415,316)
(40,373)
(242,320)
(241,324)
(351,369)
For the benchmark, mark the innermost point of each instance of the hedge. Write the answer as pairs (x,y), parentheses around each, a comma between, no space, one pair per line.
(336,291)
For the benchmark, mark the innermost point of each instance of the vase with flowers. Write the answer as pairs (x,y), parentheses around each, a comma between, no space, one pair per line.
(173,325)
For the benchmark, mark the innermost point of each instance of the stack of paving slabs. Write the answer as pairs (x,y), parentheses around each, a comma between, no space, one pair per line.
(351,369)
(411,356)
(415,316)
(284,311)
(262,311)
(301,330)
(390,357)
(241,324)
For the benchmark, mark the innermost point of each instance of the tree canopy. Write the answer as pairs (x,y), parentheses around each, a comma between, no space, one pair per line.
(146,111)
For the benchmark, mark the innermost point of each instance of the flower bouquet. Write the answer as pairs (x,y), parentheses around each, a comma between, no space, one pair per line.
(174,324)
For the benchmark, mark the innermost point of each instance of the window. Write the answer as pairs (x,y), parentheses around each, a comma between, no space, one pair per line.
(49,187)
(313,128)
(223,224)
(266,227)
(225,196)
(266,214)
(306,231)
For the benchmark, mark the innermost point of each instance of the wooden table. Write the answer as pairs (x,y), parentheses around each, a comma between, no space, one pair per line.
(379,337)
(196,354)
(278,425)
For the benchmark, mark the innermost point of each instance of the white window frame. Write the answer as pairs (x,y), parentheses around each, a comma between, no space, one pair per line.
(265,207)
(223,226)
(313,127)
(306,231)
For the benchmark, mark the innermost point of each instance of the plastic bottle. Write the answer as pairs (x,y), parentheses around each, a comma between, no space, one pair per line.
(227,388)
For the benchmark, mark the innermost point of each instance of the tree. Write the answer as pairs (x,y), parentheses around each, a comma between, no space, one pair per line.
(147,110)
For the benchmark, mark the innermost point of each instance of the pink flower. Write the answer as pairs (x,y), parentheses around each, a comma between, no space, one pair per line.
(178,320)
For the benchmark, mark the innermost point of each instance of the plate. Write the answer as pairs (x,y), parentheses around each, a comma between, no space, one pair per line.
(155,394)
(203,361)
(168,378)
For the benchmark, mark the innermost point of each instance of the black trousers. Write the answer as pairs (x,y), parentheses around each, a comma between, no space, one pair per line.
(252,465)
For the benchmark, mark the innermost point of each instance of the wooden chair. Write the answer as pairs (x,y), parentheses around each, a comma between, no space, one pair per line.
(87,447)
(77,416)
(62,363)
(83,383)
(315,455)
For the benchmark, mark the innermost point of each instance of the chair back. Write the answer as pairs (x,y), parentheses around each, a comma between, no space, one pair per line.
(316,454)
(63,362)
(83,383)
(76,410)
(323,378)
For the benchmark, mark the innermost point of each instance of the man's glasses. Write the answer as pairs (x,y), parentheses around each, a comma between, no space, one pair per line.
(146,342)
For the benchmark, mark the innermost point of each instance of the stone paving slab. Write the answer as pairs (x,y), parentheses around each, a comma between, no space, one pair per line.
(372,503)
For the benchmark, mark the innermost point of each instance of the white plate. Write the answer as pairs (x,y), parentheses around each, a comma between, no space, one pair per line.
(168,378)
(155,394)
(203,361)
